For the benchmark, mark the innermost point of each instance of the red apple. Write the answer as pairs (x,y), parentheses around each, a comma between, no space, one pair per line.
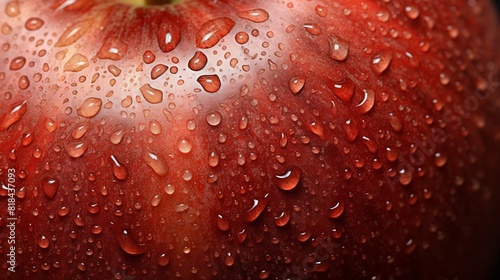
(240,139)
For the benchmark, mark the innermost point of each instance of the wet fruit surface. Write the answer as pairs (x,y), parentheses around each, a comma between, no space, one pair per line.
(262,139)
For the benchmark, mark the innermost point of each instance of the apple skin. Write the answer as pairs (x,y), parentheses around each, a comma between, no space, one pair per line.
(281,157)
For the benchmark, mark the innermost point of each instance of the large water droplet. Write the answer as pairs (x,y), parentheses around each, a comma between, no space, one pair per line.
(210,83)
(368,101)
(255,15)
(129,244)
(168,35)
(198,61)
(13,115)
(76,63)
(12,8)
(282,219)
(152,95)
(290,179)
(90,107)
(43,242)
(338,48)
(119,170)
(158,70)
(212,31)
(112,49)
(257,208)
(156,161)
(50,187)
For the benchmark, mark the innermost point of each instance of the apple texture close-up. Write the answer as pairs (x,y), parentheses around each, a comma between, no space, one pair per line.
(239,139)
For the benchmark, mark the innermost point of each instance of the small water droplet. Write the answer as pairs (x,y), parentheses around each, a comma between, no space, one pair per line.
(34,24)
(152,95)
(155,127)
(212,31)
(76,63)
(210,83)
(148,57)
(43,242)
(12,8)
(321,11)
(119,170)
(213,159)
(255,15)
(222,223)
(129,244)
(50,187)
(229,260)
(290,179)
(257,208)
(17,63)
(412,11)
(282,219)
(116,137)
(163,260)
(351,130)
(440,159)
(405,177)
(80,130)
(113,49)
(90,107)
(184,145)
(214,118)
(336,210)
(181,207)
(13,115)
(156,161)
(312,28)
(241,37)
(380,62)
(198,61)
(296,84)
(338,48)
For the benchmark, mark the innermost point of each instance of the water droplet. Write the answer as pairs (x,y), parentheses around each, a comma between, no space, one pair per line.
(115,71)
(368,101)
(380,62)
(155,127)
(63,210)
(73,33)
(184,145)
(129,244)
(198,61)
(119,170)
(210,83)
(50,187)
(282,219)
(336,210)
(163,260)
(229,260)
(213,159)
(13,115)
(344,90)
(321,11)
(214,118)
(290,179)
(76,63)
(412,11)
(158,70)
(257,208)
(405,177)
(152,95)
(440,159)
(312,28)
(43,242)
(90,107)
(241,37)
(222,223)
(181,208)
(296,84)
(148,57)
(338,48)
(212,31)
(116,137)
(156,161)
(168,34)
(76,149)
(112,49)
(255,15)
(34,24)
(24,82)
(12,8)
(351,130)
(17,63)
(80,130)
